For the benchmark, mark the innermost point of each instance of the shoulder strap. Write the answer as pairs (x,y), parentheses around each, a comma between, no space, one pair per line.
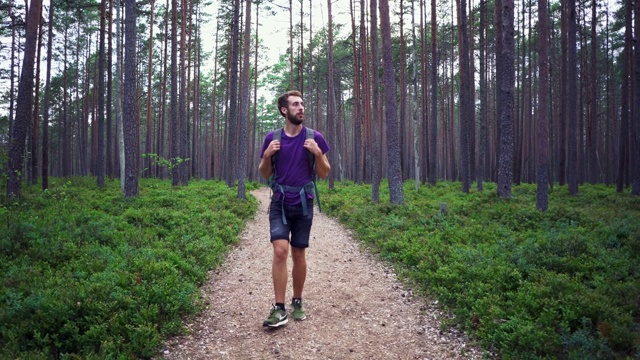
(277,135)
(312,159)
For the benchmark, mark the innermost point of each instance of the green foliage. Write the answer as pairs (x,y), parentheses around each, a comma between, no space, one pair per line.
(169,164)
(87,273)
(560,284)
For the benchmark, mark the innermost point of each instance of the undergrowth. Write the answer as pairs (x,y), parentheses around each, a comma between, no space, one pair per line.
(86,273)
(561,284)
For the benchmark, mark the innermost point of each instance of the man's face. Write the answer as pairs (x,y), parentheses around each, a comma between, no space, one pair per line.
(295,110)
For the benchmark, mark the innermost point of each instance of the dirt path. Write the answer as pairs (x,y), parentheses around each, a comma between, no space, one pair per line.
(356,308)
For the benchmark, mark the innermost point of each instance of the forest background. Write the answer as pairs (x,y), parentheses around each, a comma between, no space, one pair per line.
(496,93)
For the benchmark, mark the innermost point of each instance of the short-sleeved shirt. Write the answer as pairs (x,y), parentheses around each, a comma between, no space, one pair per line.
(292,166)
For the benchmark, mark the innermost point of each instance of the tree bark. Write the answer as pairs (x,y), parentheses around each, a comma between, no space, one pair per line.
(572,97)
(100,93)
(232,155)
(396,192)
(148,142)
(542,195)
(376,123)
(434,96)
(466,107)
(505,84)
(47,102)
(24,102)
(244,103)
(130,119)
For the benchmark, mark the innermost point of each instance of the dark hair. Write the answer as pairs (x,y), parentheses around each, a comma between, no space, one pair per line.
(283,100)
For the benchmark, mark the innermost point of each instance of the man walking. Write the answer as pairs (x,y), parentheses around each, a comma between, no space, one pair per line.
(293,157)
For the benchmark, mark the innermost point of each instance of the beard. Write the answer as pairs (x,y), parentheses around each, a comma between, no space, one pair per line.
(294,119)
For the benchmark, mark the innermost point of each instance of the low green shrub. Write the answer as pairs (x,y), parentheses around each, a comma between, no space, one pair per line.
(86,273)
(564,283)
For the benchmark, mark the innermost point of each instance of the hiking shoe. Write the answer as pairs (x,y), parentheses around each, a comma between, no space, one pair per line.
(298,310)
(277,317)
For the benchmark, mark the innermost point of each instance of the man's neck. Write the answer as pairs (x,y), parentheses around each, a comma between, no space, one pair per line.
(292,130)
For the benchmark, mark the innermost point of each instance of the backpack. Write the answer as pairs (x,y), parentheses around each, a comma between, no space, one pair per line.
(310,134)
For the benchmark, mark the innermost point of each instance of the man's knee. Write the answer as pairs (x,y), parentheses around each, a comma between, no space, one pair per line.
(298,254)
(280,250)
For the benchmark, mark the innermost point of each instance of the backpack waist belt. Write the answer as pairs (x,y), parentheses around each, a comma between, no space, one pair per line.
(302,190)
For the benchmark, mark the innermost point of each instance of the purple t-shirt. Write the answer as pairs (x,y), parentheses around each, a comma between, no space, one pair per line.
(292,165)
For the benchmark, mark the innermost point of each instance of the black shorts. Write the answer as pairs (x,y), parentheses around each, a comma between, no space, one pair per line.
(298,225)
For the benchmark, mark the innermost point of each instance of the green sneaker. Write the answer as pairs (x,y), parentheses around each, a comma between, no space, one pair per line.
(277,317)
(298,310)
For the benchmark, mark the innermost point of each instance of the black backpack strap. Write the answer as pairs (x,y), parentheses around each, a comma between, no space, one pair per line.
(312,162)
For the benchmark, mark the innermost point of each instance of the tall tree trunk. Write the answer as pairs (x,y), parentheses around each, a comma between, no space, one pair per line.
(331,101)
(183,139)
(47,102)
(376,125)
(572,97)
(148,142)
(396,192)
(466,107)
(36,113)
(175,125)
(245,103)
(414,101)
(482,161)
(592,120)
(12,71)
(402,113)
(434,96)
(130,120)
(100,93)
(542,196)
(626,95)
(562,119)
(118,105)
(505,84)
(24,101)
(232,155)
(635,126)
(109,159)
(214,153)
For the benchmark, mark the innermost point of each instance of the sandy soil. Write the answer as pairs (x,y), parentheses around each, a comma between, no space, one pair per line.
(356,307)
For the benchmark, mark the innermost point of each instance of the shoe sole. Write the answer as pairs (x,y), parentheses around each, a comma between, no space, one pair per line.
(300,319)
(278,324)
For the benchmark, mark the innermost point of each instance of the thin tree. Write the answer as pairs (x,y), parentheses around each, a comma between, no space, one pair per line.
(100,94)
(635,126)
(183,139)
(396,193)
(109,159)
(505,85)
(244,103)
(434,96)
(118,98)
(24,101)
(623,140)
(466,107)
(483,98)
(130,118)
(592,120)
(175,125)
(331,101)
(232,155)
(572,98)
(542,196)
(36,114)
(148,143)
(376,123)
(47,102)
(414,100)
